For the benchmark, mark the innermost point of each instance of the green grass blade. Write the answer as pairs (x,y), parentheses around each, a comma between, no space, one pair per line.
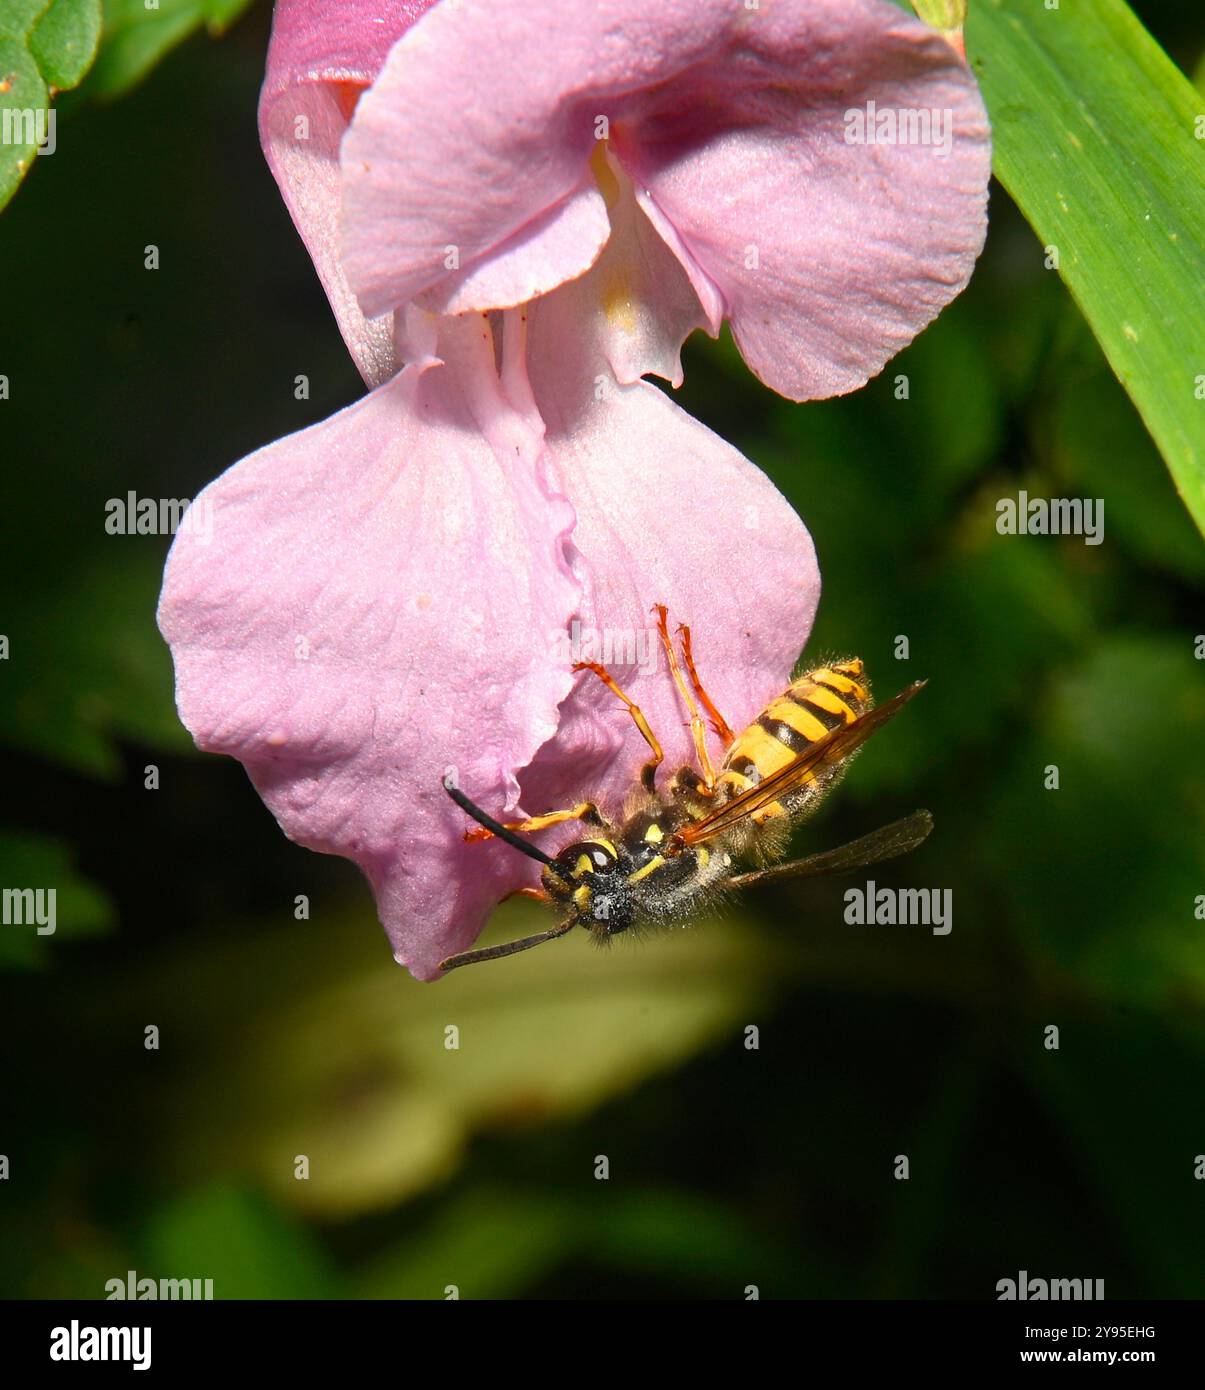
(1098,138)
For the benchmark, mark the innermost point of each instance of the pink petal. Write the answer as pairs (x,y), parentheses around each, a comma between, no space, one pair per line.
(648,301)
(667,512)
(370,613)
(323,53)
(481,120)
(827,256)
(389,594)
(561,242)
(830,256)
(401,219)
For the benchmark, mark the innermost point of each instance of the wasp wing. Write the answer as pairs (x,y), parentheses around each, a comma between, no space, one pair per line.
(816,758)
(888,842)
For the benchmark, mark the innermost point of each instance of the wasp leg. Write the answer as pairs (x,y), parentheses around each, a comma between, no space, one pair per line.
(536,894)
(698,732)
(687,782)
(648,773)
(585,811)
(720,726)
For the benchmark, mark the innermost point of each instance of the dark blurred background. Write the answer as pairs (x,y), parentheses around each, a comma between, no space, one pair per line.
(729,1166)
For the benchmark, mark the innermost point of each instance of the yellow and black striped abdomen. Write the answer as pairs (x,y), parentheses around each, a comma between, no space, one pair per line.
(808,709)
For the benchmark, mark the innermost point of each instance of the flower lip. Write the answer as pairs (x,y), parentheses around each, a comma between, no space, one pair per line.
(346,635)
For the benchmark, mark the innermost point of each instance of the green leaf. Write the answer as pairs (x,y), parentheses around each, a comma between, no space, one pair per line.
(347,1060)
(136,38)
(63,41)
(89,667)
(246,1246)
(26,100)
(46,46)
(41,864)
(1107,895)
(494,1242)
(489,1243)
(1093,130)
(1100,449)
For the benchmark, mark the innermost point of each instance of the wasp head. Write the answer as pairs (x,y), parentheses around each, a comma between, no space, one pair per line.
(592,877)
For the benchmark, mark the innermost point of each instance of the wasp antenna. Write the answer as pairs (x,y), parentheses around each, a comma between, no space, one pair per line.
(508,948)
(516,841)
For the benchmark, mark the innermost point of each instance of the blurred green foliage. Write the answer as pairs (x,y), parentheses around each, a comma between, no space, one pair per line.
(136,37)
(476,1167)
(80,908)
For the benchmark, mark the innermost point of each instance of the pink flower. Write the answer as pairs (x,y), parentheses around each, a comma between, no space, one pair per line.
(474,176)
(404,589)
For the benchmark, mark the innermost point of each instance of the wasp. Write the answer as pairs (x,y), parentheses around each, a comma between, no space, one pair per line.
(676,851)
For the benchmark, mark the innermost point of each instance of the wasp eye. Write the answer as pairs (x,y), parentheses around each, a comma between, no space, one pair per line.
(588,857)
